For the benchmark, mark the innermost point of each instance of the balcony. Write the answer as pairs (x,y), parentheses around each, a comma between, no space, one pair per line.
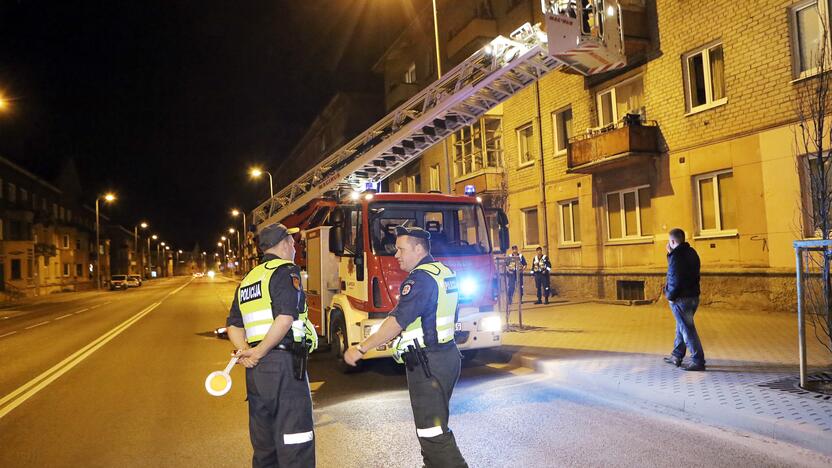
(400,92)
(619,147)
(471,37)
(485,181)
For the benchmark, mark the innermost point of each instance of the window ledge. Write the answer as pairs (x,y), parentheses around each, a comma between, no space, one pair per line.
(706,107)
(525,164)
(531,246)
(716,235)
(630,241)
(570,245)
(472,174)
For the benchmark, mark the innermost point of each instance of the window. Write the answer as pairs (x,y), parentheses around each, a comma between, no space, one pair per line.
(12,193)
(61,213)
(77,243)
(531,237)
(34,201)
(43,204)
(79,270)
(817,182)
(24,195)
(69,215)
(570,222)
(30,271)
(629,214)
(704,73)
(807,36)
(624,98)
(434,178)
(414,183)
(717,208)
(410,74)
(55,210)
(66,269)
(478,146)
(398,186)
(525,145)
(562,124)
(65,241)
(16,269)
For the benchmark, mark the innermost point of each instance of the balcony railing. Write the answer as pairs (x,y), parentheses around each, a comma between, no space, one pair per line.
(620,146)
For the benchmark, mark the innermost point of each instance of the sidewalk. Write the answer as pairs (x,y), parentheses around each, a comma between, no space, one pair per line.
(616,352)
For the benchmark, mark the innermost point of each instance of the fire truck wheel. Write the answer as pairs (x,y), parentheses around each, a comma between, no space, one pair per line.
(470,355)
(340,343)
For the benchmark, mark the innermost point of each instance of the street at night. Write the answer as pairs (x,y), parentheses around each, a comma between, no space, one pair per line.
(139,400)
(402,233)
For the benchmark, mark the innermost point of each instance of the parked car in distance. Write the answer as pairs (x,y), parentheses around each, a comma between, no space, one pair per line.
(134,281)
(118,282)
(198,274)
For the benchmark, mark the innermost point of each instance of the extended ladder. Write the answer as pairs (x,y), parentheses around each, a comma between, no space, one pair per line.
(487,78)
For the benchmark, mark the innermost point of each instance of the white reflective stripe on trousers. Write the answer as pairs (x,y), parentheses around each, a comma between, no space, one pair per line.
(297,438)
(429,432)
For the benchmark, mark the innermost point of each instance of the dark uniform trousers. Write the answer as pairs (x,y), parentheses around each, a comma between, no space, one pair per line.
(511,276)
(280,413)
(430,399)
(541,282)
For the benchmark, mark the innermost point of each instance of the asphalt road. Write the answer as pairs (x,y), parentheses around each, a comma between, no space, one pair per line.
(116,379)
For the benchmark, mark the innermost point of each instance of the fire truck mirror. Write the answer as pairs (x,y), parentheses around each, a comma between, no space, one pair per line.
(336,234)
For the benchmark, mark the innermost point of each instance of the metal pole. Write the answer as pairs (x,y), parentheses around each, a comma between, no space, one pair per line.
(436,38)
(97,248)
(148,258)
(135,243)
(801,325)
(519,283)
(245,241)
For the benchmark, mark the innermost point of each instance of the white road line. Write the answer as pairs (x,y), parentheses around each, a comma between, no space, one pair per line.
(7,334)
(98,305)
(81,310)
(36,325)
(63,316)
(30,388)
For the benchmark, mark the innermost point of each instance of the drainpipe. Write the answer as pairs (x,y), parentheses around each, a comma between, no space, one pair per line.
(541,186)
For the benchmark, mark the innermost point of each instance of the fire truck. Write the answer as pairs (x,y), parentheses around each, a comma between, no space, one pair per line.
(347,240)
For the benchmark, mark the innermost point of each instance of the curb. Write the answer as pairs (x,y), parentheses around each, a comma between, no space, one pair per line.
(803,435)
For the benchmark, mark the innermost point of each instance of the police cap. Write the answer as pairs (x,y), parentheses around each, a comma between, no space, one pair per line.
(412,232)
(271,235)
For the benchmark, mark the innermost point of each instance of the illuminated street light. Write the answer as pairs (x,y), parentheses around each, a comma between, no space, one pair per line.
(256,172)
(108,197)
(143,225)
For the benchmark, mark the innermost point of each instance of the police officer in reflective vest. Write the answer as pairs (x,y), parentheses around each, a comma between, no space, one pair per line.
(423,327)
(541,268)
(269,328)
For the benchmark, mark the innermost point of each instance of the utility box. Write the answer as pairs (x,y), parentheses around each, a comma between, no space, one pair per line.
(321,276)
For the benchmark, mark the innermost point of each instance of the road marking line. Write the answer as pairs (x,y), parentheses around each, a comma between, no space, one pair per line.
(30,388)
(36,325)
(63,316)
(179,289)
(81,310)
(7,334)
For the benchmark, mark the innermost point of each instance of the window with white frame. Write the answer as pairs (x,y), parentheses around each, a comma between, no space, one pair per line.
(434,178)
(531,236)
(806,20)
(716,203)
(12,193)
(570,222)
(410,74)
(77,243)
(624,98)
(478,146)
(66,269)
(525,145)
(65,243)
(629,214)
(562,125)
(704,75)
(817,183)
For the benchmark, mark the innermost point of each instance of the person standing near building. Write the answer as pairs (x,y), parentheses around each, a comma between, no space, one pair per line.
(515,264)
(541,269)
(682,291)
(427,312)
(268,326)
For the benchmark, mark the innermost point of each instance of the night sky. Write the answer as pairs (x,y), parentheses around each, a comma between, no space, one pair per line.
(169,102)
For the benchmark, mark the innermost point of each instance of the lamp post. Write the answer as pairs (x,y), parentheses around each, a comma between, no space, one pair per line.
(143,225)
(149,258)
(224,256)
(108,197)
(256,172)
(160,257)
(178,253)
(244,255)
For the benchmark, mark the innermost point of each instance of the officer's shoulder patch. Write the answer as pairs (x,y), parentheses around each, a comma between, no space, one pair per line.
(295,281)
(407,286)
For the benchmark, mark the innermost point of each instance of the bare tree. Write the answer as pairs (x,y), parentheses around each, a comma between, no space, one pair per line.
(813,107)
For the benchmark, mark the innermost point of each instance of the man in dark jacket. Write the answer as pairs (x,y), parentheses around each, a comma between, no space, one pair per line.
(682,291)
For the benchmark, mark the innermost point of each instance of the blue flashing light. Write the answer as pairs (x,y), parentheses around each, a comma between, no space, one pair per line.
(470,190)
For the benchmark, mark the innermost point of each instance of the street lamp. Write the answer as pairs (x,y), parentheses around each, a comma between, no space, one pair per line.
(4,104)
(256,172)
(244,254)
(108,197)
(150,263)
(143,225)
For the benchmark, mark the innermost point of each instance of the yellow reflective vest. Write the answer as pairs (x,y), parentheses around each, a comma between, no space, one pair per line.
(446,303)
(256,306)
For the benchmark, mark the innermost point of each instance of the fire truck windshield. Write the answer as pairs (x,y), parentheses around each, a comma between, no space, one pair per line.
(455,228)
